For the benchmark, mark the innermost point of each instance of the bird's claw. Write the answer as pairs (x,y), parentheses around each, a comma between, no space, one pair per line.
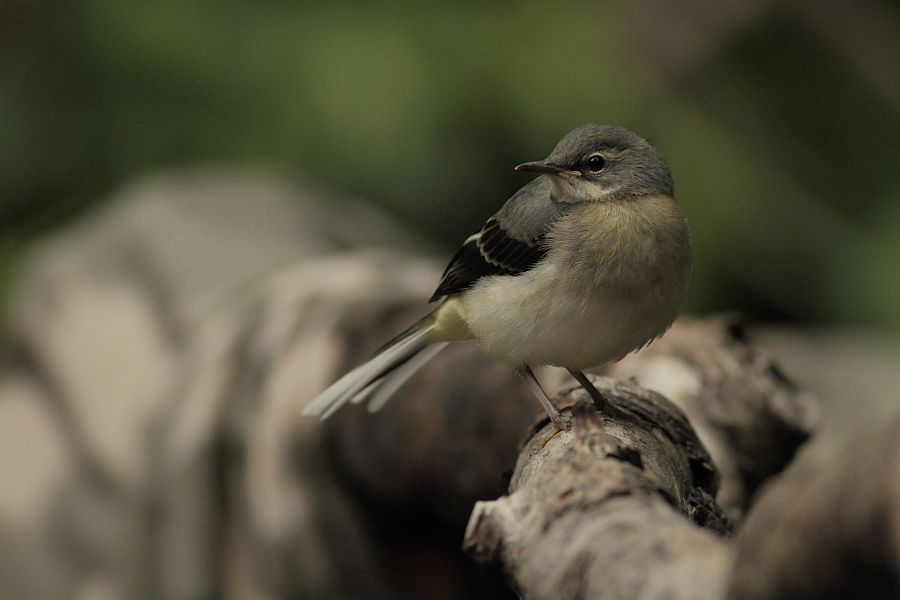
(562,421)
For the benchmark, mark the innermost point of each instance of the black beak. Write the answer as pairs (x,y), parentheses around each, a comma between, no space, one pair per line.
(548,168)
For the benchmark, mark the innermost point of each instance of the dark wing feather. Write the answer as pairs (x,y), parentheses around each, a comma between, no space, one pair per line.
(511,242)
(510,255)
(492,251)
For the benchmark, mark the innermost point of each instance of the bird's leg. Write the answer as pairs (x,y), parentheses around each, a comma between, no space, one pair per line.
(601,402)
(557,417)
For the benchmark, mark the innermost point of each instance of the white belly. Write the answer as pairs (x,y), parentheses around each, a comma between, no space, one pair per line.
(538,318)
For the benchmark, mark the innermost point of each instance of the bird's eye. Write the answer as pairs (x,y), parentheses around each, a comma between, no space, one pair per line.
(596,163)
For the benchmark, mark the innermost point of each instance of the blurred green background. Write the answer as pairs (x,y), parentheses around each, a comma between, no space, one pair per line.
(781,119)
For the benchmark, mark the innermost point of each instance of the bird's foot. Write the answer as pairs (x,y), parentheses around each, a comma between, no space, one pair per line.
(601,402)
(562,421)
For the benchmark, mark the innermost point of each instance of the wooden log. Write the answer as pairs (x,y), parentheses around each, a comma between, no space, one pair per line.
(830,530)
(599,511)
(622,508)
(747,413)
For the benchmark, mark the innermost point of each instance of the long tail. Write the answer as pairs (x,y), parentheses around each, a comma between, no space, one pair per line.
(377,379)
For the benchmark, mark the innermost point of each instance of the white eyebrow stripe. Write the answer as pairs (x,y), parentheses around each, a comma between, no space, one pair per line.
(613,153)
(472,238)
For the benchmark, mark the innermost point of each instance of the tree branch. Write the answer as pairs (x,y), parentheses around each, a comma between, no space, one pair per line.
(599,510)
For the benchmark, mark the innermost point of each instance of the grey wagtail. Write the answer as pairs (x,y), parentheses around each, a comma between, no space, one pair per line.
(586,263)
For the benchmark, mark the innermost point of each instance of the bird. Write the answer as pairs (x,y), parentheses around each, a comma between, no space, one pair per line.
(589,261)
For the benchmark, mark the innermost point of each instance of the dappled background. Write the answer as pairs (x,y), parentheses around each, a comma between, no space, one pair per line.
(190,195)
(781,119)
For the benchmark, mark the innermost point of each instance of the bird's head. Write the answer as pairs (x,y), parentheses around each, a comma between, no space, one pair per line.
(596,163)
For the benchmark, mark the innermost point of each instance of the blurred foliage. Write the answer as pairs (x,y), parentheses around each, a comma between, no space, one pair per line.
(784,136)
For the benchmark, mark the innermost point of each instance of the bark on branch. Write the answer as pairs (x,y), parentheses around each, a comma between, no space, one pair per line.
(747,413)
(622,508)
(829,531)
(599,511)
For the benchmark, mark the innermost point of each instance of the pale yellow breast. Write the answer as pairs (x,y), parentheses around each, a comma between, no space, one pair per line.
(624,244)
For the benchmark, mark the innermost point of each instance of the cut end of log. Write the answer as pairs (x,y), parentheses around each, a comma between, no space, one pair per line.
(484,535)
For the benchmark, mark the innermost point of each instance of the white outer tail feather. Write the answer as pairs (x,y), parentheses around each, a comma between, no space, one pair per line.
(378,378)
(394,380)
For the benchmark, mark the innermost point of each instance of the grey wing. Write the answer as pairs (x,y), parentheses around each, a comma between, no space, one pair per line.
(510,242)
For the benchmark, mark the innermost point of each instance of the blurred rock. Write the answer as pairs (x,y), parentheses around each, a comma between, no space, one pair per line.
(99,321)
